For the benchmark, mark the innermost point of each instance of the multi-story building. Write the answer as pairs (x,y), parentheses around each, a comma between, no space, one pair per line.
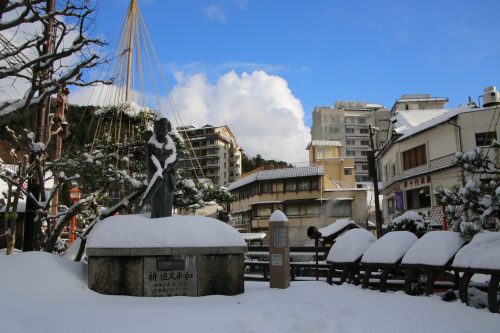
(348,122)
(214,154)
(316,195)
(419,158)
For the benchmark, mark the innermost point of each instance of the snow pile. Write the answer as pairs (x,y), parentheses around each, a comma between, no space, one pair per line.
(482,252)
(336,227)
(435,248)
(390,248)
(35,286)
(350,246)
(140,231)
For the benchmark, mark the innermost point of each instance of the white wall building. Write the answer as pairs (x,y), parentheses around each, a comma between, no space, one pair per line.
(420,155)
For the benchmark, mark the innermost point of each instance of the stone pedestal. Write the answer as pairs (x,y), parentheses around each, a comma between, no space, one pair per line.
(194,271)
(279,251)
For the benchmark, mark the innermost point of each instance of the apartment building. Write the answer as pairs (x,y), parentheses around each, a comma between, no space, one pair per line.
(349,122)
(419,158)
(214,154)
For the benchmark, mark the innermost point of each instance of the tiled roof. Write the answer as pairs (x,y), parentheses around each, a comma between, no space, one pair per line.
(324,143)
(315,170)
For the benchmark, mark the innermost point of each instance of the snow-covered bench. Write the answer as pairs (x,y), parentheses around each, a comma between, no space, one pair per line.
(346,253)
(432,254)
(480,256)
(386,255)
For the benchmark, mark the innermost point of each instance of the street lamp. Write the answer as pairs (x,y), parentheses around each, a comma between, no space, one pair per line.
(74,195)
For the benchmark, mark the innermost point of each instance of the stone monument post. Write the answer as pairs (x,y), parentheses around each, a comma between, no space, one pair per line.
(279,251)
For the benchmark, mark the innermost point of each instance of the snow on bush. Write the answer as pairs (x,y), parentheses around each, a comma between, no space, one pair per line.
(409,221)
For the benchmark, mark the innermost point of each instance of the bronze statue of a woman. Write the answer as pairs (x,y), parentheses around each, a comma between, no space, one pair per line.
(162,165)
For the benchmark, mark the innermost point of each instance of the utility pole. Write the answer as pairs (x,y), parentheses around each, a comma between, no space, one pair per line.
(372,169)
(35,184)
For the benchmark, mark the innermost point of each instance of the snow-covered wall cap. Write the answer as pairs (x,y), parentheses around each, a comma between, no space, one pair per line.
(390,248)
(350,246)
(278,216)
(483,252)
(140,231)
(435,248)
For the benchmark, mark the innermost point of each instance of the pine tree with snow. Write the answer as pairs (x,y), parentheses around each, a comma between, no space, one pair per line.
(475,206)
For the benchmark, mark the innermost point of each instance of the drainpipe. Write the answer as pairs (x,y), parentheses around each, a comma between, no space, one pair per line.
(460,148)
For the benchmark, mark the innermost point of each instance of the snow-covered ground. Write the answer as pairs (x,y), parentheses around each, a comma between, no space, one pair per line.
(41,292)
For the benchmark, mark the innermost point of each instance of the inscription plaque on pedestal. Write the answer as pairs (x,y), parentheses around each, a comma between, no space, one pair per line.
(276,260)
(170,276)
(280,237)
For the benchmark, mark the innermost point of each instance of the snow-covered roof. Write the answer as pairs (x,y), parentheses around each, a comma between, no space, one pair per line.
(390,248)
(324,143)
(140,231)
(336,227)
(435,248)
(350,246)
(409,123)
(315,170)
(482,252)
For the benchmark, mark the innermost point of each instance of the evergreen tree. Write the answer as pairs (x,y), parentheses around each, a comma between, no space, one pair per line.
(475,206)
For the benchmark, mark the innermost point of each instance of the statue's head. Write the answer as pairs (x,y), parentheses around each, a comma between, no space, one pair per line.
(162,127)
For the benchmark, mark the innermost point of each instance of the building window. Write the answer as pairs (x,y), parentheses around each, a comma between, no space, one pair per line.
(418,198)
(263,210)
(364,152)
(340,208)
(485,138)
(266,187)
(361,120)
(414,157)
(304,185)
(393,167)
(290,186)
(320,152)
(312,210)
(350,142)
(364,167)
(349,130)
(391,206)
(365,142)
(292,210)
(351,153)
(364,130)
(347,171)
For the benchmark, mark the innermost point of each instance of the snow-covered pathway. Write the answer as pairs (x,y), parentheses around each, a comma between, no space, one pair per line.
(41,292)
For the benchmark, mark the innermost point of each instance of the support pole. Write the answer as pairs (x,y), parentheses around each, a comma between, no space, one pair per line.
(373,174)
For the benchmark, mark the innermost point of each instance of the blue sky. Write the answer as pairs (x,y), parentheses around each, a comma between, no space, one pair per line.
(326,51)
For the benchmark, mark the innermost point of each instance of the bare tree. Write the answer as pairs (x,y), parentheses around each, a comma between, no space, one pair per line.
(44,47)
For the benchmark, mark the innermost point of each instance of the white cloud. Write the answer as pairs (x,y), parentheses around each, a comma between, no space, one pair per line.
(218,11)
(259,108)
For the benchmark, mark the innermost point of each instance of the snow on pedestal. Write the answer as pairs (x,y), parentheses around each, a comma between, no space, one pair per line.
(140,231)
(172,256)
(483,252)
(435,248)
(350,246)
(389,248)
